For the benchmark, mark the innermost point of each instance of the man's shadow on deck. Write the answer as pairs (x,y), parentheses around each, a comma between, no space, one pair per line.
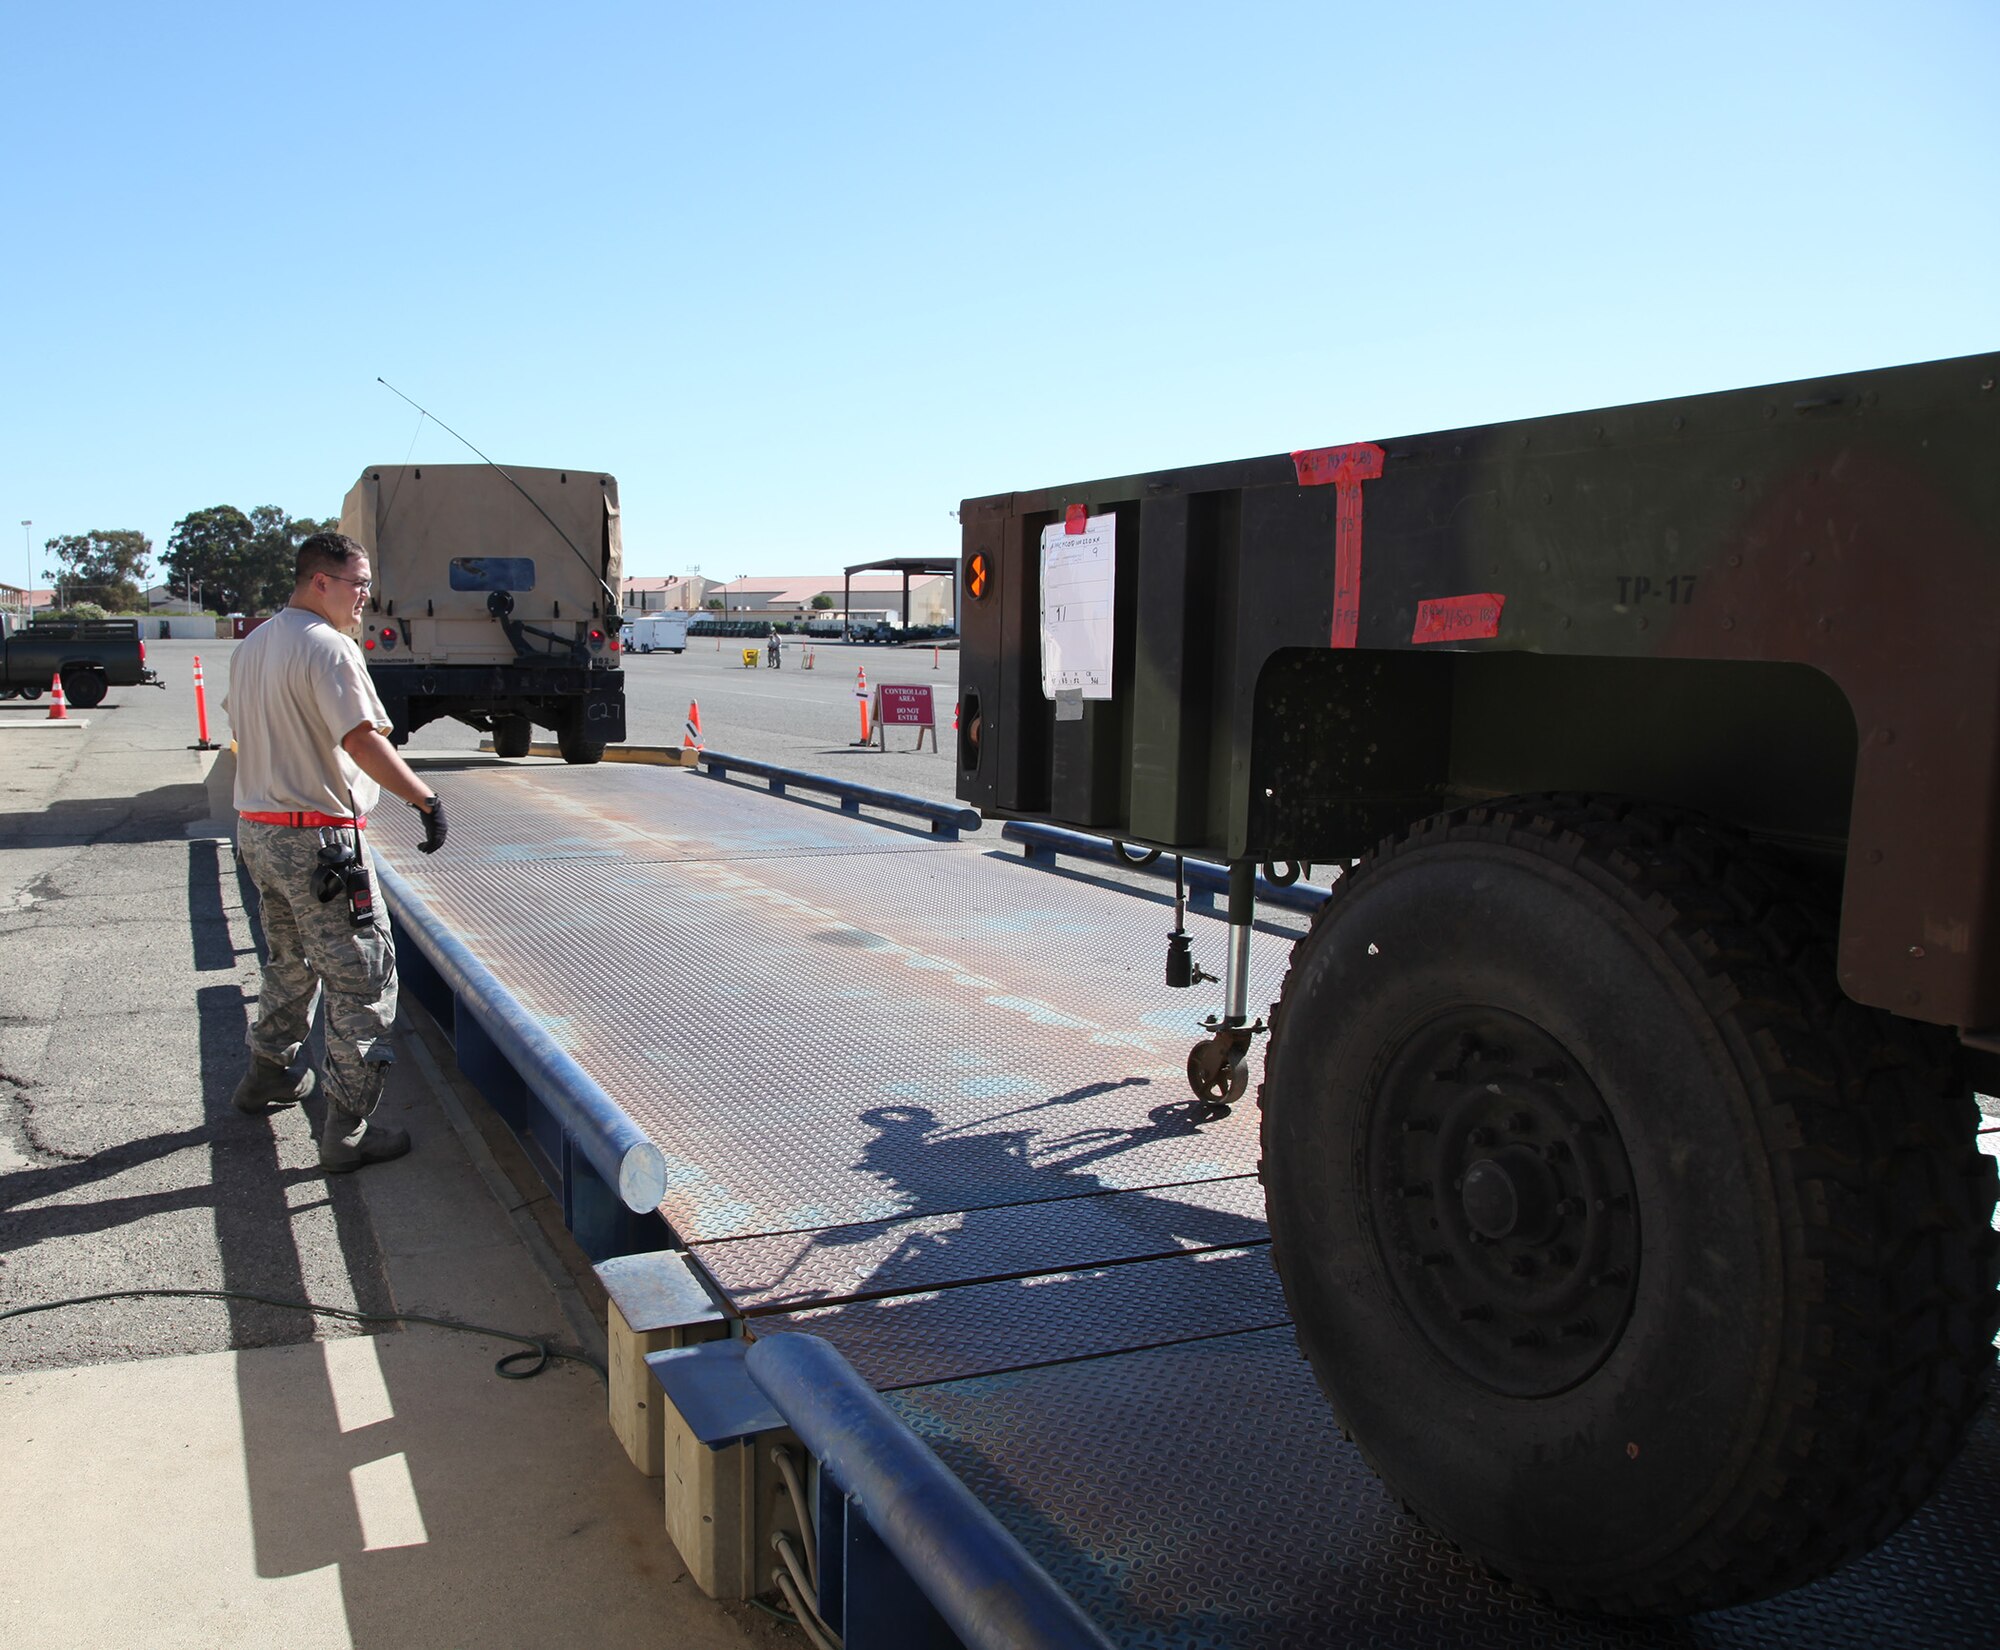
(987,1203)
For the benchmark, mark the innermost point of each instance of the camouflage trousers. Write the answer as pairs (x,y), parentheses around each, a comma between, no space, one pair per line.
(315,948)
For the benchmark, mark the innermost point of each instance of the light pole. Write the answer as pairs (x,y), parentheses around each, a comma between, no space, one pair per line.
(28,556)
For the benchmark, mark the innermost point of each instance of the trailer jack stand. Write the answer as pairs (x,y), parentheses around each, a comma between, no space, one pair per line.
(1219,1069)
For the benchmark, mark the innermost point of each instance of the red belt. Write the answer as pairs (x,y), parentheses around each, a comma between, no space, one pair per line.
(305,820)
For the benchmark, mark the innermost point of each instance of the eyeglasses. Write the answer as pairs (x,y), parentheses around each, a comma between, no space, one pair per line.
(362,585)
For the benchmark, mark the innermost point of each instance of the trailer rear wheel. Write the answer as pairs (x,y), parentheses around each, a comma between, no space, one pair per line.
(1637,1260)
(512,735)
(84,686)
(571,741)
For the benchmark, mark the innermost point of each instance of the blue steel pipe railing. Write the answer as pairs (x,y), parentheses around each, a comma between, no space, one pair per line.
(612,1142)
(946,819)
(1203,876)
(976,1575)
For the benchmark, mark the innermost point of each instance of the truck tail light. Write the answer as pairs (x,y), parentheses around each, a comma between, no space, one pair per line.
(142,650)
(597,640)
(388,638)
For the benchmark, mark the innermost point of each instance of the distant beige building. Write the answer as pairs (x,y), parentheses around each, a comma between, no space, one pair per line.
(876,596)
(685,593)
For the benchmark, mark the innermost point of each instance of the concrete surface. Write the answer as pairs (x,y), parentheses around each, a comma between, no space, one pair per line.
(202,1473)
(380,1491)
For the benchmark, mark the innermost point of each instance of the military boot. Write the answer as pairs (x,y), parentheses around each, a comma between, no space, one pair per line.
(349,1139)
(267,1084)
(350,1142)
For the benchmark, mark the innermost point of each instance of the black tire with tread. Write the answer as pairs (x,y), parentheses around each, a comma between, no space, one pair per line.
(512,735)
(84,687)
(570,739)
(1871,1240)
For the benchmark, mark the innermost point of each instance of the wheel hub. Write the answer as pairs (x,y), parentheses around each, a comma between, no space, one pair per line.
(1507,1198)
(1502,1202)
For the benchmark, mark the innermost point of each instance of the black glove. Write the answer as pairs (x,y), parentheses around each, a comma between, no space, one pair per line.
(433,826)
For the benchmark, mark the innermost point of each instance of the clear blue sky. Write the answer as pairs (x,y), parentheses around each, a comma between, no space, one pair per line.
(804,276)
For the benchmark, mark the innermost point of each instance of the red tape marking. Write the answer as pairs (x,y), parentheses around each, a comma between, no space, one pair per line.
(1343,469)
(1076,519)
(1458,618)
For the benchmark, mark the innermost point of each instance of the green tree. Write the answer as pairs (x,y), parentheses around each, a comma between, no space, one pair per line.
(242,563)
(822,601)
(108,568)
(211,548)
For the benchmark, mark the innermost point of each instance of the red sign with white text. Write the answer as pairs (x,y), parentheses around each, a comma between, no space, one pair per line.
(905,705)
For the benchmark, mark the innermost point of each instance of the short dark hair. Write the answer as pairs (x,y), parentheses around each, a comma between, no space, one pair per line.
(326,553)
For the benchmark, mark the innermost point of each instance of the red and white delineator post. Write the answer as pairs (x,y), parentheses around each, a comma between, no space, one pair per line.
(202,740)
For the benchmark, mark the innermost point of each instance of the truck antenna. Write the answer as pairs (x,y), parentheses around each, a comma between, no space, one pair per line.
(610,596)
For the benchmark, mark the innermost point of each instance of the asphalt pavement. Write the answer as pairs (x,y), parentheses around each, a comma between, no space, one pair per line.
(799,717)
(194,1472)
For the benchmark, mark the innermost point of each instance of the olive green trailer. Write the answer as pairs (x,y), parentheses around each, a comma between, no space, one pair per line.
(1620,1144)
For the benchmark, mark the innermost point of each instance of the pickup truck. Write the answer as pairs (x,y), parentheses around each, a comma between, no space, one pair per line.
(91,655)
(1618,1111)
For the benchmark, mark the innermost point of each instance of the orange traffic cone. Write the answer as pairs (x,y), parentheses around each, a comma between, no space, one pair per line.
(861,698)
(691,739)
(58,706)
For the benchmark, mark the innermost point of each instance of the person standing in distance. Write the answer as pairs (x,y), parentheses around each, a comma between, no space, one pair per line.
(312,758)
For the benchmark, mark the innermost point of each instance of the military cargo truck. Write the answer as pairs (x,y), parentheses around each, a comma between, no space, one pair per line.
(1618,1110)
(494,601)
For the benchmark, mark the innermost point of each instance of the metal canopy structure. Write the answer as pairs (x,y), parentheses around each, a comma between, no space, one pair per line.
(905,565)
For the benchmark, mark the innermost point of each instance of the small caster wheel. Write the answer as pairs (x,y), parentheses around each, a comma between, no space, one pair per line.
(1218,1073)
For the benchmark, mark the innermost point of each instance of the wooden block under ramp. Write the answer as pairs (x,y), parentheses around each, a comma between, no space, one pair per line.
(725,1495)
(657,1303)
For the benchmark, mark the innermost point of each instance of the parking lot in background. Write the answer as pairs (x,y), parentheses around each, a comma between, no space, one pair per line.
(802,718)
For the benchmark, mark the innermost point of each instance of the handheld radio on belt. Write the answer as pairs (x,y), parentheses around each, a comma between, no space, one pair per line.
(341,871)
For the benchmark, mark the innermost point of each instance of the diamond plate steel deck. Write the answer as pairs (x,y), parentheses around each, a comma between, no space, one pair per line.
(799,1066)
(958,1142)
(1259,1526)
(519,813)
(983,1328)
(887,1257)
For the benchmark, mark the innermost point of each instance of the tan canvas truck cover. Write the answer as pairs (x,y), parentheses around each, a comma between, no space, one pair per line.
(443,538)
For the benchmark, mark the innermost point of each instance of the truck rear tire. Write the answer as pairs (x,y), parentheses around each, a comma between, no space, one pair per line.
(513,735)
(570,739)
(84,687)
(1637,1260)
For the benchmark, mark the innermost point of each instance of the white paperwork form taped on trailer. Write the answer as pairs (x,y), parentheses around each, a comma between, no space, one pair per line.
(1079,572)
